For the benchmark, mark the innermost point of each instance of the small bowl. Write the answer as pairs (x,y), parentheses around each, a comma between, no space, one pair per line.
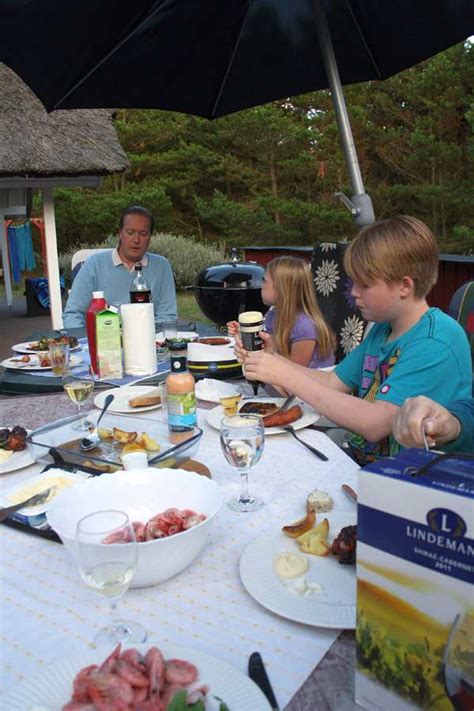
(142,494)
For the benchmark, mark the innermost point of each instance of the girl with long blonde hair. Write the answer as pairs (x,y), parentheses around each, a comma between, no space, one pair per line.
(294,320)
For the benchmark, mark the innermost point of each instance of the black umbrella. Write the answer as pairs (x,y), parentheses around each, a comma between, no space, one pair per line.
(215,57)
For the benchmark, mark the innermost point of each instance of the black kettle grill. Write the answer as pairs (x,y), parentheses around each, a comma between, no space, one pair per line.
(224,291)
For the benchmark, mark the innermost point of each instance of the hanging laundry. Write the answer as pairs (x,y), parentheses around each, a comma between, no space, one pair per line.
(14,256)
(24,242)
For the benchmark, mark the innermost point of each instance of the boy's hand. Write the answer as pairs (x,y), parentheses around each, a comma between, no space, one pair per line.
(420,413)
(265,367)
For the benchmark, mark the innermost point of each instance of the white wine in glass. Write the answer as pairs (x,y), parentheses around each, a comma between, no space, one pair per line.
(107,559)
(78,391)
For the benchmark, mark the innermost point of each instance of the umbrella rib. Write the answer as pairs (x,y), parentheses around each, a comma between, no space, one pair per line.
(114,49)
(229,64)
(363,40)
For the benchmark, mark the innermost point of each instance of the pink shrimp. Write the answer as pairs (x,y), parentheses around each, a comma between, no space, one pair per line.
(179,672)
(150,705)
(130,673)
(79,706)
(108,664)
(155,666)
(153,530)
(110,693)
(133,656)
(139,529)
(79,689)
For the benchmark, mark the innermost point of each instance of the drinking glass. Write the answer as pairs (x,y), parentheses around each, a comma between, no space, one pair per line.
(107,559)
(59,357)
(242,438)
(170,330)
(78,389)
(458,670)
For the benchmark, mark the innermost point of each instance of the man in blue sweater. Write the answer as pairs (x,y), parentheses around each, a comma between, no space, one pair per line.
(113,272)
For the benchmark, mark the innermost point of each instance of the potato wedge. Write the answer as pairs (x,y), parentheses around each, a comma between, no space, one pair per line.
(123,437)
(105,434)
(315,546)
(321,530)
(148,442)
(133,447)
(299,527)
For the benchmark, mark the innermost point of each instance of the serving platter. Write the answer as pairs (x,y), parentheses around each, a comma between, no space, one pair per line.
(309,416)
(26,348)
(33,364)
(334,606)
(52,688)
(123,395)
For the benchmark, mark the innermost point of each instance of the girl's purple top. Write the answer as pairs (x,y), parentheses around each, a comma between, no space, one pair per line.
(303,330)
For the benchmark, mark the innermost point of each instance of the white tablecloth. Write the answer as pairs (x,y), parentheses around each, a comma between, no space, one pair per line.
(47,613)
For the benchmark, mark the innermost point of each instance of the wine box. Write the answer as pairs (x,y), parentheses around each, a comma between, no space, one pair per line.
(109,346)
(415,583)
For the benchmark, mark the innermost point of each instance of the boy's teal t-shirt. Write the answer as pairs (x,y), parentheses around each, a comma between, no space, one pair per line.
(432,358)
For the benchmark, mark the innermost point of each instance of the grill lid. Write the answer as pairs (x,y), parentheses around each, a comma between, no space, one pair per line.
(232,275)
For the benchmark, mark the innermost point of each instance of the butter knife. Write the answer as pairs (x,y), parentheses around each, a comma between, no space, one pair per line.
(258,674)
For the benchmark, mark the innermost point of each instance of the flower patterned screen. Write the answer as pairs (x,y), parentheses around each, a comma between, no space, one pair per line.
(333,292)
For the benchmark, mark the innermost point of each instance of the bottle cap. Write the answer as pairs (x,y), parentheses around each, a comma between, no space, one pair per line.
(97,294)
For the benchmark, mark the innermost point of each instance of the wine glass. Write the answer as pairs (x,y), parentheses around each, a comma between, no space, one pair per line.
(242,438)
(458,670)
(107,559)
(78,389)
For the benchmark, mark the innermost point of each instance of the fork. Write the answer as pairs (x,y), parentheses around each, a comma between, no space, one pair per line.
(289,428)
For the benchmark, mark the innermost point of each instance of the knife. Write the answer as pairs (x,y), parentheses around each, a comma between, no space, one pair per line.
(258,674)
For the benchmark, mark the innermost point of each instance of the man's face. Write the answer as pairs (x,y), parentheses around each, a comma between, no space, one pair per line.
(134,238)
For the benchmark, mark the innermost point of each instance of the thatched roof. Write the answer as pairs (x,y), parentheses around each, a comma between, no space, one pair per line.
(34,143)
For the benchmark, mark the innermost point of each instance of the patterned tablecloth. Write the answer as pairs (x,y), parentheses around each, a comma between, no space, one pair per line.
(47,613)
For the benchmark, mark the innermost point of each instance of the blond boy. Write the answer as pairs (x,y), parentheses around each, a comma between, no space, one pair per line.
(412,349)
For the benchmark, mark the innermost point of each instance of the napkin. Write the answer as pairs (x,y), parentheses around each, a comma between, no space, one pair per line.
(138,334)
(212,390)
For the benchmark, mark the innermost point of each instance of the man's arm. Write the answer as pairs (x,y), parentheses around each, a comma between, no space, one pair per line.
(84,284)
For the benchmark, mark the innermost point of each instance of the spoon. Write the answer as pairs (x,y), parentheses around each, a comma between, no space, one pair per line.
(94,438)
(35,500)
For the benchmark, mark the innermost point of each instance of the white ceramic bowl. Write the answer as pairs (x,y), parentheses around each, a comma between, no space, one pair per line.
(142,494)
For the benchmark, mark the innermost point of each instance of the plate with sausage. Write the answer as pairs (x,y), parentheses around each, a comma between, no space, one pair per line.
(298,416)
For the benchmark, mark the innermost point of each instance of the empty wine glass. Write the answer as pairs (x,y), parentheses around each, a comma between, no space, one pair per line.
(458,670)
(107,559)
(78,389)
(242,439)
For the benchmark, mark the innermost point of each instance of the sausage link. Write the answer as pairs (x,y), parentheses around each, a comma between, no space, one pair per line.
(283,417)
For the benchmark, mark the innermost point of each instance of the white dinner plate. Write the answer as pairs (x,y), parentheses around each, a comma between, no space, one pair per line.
(334,606)
(308,417)
(211,390)
(18,460)
(14,364)
(192,335)
(122,396)
(52,688)
(25,348)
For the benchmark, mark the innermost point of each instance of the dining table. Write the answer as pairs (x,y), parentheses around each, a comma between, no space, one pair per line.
(48,614)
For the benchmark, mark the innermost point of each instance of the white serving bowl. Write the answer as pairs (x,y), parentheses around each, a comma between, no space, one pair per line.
(142,494)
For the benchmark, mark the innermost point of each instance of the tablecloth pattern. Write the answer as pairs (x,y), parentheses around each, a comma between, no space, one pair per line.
(48,614)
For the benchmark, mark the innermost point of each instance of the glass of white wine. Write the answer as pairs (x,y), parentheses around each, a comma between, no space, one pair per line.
(78,389)
(107,559)
(242,438)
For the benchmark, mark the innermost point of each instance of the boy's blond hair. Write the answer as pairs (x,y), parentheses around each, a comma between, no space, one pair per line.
(295,294)
(392,249)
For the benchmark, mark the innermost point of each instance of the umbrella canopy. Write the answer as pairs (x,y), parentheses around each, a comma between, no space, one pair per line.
(214,57)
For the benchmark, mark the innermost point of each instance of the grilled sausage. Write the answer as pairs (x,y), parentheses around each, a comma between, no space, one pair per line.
(283,417)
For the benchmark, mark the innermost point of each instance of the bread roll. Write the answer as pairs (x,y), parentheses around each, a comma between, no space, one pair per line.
(152,398)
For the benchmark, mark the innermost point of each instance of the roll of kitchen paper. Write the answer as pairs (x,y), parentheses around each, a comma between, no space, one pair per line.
(138,334)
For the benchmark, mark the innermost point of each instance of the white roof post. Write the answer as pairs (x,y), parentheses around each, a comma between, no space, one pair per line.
(52,259)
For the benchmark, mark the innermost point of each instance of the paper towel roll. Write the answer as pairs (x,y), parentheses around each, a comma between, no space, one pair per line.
(138,333)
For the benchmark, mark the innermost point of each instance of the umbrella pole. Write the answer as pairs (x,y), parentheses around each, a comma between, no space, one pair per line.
(361,205)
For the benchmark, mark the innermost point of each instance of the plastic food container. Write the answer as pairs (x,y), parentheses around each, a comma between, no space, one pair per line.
(60,441)
(35,516)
